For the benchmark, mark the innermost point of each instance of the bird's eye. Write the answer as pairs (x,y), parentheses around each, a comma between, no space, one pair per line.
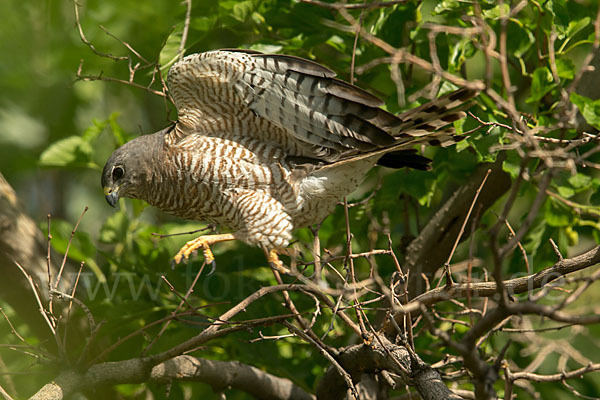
(117,173)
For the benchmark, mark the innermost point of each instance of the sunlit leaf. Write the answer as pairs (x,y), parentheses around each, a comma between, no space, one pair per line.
(242,10)
(72,151)
(501,10)
(565,68)
(541,83)
(589,108)
(170,51)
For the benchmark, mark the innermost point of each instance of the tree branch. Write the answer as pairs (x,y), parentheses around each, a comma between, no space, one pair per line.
(229,374)
(373,357)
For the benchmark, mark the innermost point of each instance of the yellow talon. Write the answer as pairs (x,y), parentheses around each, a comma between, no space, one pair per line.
(273,259)
(204,243)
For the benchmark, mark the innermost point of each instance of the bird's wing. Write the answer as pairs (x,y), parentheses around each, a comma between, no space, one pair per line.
(218,89)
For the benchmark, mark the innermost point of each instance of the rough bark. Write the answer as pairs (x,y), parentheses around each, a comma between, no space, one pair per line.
(379,355)
(229,374)
(218,374)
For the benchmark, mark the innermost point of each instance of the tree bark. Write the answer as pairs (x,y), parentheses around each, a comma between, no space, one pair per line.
(379,355)
(229,374)
(218,374)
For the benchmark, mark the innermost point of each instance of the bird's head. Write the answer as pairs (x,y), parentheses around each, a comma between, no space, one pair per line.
(118,177)
(127,171)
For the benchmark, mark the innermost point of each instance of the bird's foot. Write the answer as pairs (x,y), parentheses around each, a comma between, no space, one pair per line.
(276,263)
(204,243)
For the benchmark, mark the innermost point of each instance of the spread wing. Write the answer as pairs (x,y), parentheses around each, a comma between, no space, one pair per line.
(290,99)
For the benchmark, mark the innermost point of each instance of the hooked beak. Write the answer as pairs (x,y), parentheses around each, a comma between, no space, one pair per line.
(111,195)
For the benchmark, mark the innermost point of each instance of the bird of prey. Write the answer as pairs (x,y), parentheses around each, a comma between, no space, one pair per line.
(267,143)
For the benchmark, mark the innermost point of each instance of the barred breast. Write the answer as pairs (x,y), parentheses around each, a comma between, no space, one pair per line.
(243,184)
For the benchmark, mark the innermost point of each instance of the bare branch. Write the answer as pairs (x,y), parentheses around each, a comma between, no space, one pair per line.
(228,374)
(87,42)
(462,229)
(578,373)
(186,27)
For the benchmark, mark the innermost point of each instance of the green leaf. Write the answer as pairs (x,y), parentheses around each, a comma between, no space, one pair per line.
(203,24)
(258,19)
(534,238)
(266,48)
(94,130)
(541,83)
(521,40)
(170,51)
(512,164)
(556,214)
(560,11)
(589,109)
(419,184)
(460,52)
(242,10)
(576,26)
(380,22)
(72,151)
(580,181)
(565,191)
(595,198)
(501,10)
(484,144)
(389,26)
(447,5)
(565,68)
(337,43)
(115,228)
(117,131)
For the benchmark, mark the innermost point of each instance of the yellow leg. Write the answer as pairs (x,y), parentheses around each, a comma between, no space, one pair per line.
(204,243)
(273,259)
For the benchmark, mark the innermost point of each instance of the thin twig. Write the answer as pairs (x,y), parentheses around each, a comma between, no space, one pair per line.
(462,230)
(350,263)
(176,311)
(71,301)
(345,375)
(87,42)
(5,394)
(186,27)
(64,261)
(41,307)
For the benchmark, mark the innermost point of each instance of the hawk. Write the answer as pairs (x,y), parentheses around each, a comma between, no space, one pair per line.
(267,143)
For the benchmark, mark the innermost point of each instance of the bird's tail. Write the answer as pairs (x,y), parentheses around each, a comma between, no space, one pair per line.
(429,124)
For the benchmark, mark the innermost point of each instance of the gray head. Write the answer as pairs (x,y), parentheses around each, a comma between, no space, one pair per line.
(129,168)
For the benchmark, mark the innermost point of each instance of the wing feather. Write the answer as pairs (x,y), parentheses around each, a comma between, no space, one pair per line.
(315,113)
(280,63)
(332,119)
(326,107)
